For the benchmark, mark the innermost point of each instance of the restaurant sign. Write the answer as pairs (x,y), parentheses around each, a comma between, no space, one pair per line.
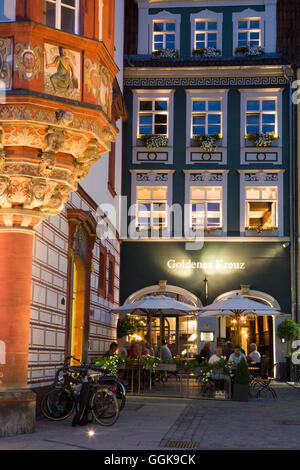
(216,265)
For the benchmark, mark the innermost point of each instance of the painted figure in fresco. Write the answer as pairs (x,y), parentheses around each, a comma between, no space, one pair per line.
(36,196)
(27,61)
(64,80)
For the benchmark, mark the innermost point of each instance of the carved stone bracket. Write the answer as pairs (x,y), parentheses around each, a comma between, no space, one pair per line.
(54,139)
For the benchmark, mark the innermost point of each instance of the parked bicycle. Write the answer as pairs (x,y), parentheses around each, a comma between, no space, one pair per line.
(82,387)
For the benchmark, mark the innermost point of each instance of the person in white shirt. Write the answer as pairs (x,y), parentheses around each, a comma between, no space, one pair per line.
(165,351)
(216,356)
(254,355)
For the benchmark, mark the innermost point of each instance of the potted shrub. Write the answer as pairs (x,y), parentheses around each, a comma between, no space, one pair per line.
(128,326)
(241,382)
(288,331)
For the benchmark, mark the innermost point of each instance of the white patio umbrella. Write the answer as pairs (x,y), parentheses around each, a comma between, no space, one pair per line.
(237,307)
(154,306)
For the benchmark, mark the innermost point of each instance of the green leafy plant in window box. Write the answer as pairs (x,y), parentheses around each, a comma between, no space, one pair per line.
(207,52)
(166,53)
(261,140)
(249,51)
(260,229)
(207,142)
(153,141)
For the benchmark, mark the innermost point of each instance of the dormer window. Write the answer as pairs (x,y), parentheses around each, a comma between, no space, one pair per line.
(249,32)
(206,34)
(164,35)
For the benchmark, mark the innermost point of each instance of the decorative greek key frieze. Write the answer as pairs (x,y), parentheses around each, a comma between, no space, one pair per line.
(205,81)
(261,177)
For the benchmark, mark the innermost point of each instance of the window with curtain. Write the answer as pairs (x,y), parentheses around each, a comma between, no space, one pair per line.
(261,207)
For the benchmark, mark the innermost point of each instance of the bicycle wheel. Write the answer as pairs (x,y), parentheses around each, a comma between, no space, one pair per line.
(57,404)
(104,407)
(121,396)
(266,392)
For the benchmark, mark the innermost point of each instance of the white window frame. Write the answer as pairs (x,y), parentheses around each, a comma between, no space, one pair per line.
(265,93)
(9,11)
(204,202)
(206,15)
(206,95)
(58,6)
(247,15)
(168,183)
(145,38)
(248,30)
(154,113)
(100,19)
(163,33)
(151,202)
(222,231)
(261,183)
(151,95)
(249,200)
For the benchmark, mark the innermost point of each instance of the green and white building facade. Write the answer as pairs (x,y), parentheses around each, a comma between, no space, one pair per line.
(208,102)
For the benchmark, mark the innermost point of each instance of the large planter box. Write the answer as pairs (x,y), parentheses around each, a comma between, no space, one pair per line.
(240,392)
(166,367)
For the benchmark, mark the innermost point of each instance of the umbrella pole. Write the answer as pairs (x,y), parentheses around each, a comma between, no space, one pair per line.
(149,321)
(162,335)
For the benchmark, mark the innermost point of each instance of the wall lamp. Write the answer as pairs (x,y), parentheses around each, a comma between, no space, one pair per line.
(286,244)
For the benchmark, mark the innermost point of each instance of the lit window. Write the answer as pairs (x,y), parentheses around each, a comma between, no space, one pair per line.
(206,117)
(206,34)
(152,207)
(261,207)
(249,32)
(153,117)
(164,35)
(206,207)
(261,116)
(62,14)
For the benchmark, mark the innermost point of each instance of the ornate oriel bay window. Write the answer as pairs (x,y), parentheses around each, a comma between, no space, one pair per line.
(261,198)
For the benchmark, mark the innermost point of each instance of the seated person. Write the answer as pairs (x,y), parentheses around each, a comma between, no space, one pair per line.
(112,349)
(205,352)
(253,355)
(216,356)
(236,356)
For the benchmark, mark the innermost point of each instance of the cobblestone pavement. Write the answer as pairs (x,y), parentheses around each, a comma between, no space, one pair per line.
(165,423)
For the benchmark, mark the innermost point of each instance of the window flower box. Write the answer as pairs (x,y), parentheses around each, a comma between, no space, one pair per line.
(166,53)
(249,51)
(259,230)
(261,140)
(152,141)
(207,52)
(206,142)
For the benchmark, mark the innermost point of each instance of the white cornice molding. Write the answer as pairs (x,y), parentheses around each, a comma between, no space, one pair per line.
(211,72)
